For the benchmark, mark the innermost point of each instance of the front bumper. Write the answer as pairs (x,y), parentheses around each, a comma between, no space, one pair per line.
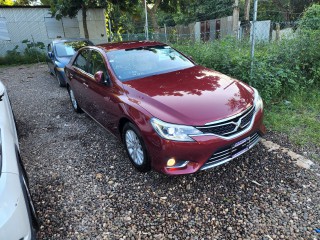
(14,218)
(205,152)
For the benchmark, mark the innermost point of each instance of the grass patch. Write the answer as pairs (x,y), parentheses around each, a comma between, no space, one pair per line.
(298,116)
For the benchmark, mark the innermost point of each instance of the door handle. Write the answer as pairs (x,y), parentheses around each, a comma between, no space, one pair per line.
(86,85)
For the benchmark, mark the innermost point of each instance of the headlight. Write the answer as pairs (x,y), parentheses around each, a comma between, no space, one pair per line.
(173,131)
(258,103)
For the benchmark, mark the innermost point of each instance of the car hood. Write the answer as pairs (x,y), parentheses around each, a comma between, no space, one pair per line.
(63,61)
(193,96)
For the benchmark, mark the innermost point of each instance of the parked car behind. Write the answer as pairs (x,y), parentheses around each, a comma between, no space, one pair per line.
(59,53)
(18,218)
(171,114)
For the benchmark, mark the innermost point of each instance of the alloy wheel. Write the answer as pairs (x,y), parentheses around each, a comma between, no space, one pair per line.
(134,147)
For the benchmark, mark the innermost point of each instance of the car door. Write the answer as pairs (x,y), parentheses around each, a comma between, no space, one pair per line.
(104,106)
(78,76)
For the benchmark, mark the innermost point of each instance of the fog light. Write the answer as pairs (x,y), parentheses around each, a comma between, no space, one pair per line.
(171,162)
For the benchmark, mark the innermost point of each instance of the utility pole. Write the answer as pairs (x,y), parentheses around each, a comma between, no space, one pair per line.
(235,18)
(165,32)
(255,13)
(146,26)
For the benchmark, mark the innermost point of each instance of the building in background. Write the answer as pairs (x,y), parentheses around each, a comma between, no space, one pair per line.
(18,23)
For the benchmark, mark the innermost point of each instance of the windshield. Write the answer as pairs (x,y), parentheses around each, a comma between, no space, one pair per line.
(141,62)
(67,49)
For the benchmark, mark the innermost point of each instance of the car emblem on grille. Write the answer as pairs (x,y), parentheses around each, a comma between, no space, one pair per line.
(238,125)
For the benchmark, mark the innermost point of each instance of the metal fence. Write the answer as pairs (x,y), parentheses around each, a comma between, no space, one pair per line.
(265,31)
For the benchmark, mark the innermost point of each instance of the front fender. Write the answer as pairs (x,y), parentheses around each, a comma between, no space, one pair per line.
(137,115)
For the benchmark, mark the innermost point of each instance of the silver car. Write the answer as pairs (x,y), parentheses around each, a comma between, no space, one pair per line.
(18,218)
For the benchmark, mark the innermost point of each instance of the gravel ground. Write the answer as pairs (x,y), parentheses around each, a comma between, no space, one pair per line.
(84,187)
(310,151)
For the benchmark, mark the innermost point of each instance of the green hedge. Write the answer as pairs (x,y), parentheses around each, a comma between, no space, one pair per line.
(279,67)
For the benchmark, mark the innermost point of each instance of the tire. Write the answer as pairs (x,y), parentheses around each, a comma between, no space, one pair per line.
(135,148)
(60,82)
(74,101)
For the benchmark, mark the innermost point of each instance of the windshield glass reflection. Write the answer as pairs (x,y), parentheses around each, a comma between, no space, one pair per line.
(141,62)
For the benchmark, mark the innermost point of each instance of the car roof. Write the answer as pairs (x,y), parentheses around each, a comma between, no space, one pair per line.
(60,40)
(128,45)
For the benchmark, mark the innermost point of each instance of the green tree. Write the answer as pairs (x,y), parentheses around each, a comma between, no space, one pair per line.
(6,2)
(22,2)
(152,9)
(186,11)
(45,2)
(70,8)
(283,10)
(311,18)
(125,18)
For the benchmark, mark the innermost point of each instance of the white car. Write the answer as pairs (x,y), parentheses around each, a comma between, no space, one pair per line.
(18,218)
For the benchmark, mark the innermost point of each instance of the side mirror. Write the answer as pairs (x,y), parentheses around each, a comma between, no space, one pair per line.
(50,54)
(100,78)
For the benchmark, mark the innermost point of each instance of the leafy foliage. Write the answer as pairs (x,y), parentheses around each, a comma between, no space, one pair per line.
(32,53)
(282,10)
(184,12)
(70,8)
(311,18)
(6,2)
(279,68)
(62,8)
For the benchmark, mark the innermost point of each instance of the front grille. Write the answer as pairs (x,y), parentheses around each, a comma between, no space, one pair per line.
(231,126)
(246,120)
(228,153)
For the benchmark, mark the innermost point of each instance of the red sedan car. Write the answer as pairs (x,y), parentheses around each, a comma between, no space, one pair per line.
(172,115)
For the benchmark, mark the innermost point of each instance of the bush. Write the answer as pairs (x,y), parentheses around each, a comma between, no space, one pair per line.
(311,18)
(279,67)
(32,53)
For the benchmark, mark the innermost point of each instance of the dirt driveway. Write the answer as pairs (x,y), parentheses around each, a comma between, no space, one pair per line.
(84,187)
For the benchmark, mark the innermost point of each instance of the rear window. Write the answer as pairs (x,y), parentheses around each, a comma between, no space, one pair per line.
(141,62)
(67,49)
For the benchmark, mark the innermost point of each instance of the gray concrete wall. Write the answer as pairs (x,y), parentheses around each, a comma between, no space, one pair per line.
(36,24)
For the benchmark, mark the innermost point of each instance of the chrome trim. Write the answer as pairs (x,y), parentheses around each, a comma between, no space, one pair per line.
(179,166)
(232,136)
(235,123)
(229,118)
(221,155)
(215,164)
(219,125)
